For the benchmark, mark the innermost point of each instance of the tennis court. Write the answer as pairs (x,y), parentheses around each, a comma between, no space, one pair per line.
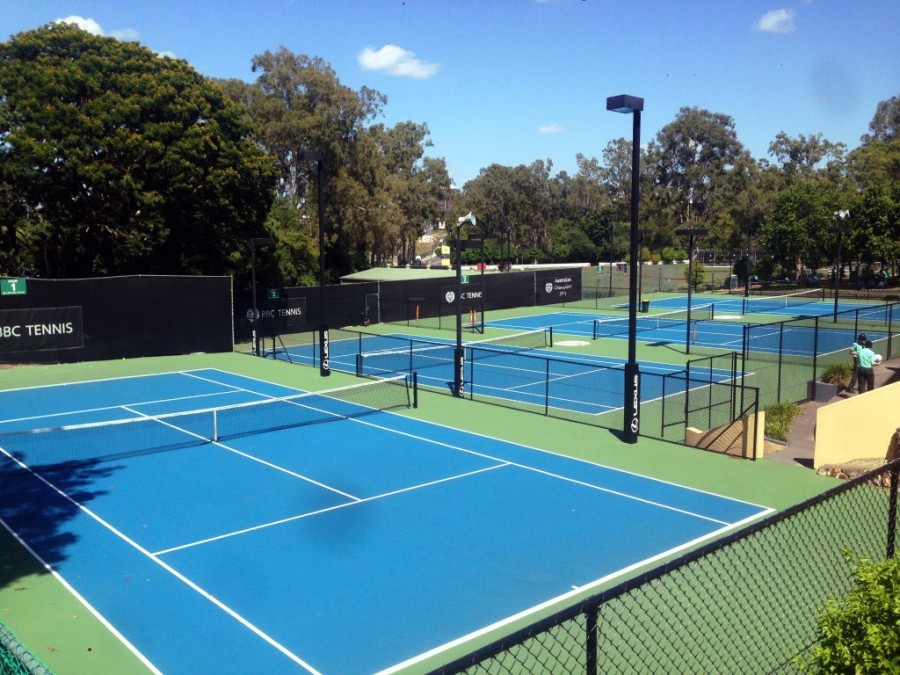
(672,328)
(323,532)
(811,302)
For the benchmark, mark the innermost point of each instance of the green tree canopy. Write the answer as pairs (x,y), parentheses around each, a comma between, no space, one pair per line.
(114,160)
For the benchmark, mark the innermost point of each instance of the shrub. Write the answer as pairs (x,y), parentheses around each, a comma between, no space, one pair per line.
(838,373)
(860,633)
(779,418)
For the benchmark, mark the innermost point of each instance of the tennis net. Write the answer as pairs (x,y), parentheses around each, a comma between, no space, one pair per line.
(775,302)
(116,439)
(614,327)
(419,355)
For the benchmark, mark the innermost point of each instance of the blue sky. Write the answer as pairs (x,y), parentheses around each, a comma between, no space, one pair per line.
(513,81)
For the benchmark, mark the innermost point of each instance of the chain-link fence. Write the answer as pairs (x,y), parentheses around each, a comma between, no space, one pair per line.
(15,658)
(676,406)
(747,603)
(785,359)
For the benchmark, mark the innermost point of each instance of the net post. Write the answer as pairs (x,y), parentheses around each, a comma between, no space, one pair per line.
(415,390)
(215,427)
(595,329)
(550,336)
(359,365)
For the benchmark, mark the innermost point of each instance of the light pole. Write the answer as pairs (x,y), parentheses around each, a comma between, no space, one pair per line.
(840,217)
(324,341)
(459,354)
(254,313)
(691,232)
(631,425)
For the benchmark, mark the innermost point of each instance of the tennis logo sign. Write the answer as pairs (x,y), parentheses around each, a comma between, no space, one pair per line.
(635,402)
(324,351)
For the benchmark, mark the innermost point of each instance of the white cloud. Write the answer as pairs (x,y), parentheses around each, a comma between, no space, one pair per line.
(394,60)
(92,27)
(126,34)
(776,21)
(87,25)
(551,129)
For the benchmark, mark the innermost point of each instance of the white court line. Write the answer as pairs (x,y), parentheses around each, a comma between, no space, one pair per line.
(168,568)
(249,456)
(328,509)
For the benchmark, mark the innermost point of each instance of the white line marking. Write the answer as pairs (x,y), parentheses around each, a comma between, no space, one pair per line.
(171,570)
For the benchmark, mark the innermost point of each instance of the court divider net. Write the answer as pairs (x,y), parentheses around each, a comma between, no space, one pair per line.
(419,355)
(769,303)
(114,439)
(619,326)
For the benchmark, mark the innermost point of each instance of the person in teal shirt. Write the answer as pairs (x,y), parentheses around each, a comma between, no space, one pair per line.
(866,369)
(854,349)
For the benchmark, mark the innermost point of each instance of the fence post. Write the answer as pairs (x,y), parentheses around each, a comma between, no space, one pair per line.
(591,641)
(780,356)
(890,315)
(892,510)
(815,370)
(546,386)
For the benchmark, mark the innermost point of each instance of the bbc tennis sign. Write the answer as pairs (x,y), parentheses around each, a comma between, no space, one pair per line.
(41,329)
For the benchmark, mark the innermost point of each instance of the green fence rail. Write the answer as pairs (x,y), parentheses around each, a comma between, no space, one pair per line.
(15,658)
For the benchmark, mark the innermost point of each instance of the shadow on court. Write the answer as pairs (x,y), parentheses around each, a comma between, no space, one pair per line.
(40,515)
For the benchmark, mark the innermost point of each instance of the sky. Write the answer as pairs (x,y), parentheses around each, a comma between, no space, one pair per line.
(514,81)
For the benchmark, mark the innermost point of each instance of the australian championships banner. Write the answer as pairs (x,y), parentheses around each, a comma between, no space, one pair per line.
(41,329)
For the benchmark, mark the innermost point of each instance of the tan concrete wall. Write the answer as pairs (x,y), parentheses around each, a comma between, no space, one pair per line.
(860,427)
(732,439)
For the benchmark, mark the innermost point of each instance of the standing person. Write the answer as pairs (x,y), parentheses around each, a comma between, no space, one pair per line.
(854,352)
(866,372)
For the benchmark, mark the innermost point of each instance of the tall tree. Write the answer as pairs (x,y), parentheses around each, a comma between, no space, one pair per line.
(690,160)
(115,160)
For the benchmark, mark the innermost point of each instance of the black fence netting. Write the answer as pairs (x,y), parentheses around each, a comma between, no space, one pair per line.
(680,406)
(747,603)
(69,320)
(786,359)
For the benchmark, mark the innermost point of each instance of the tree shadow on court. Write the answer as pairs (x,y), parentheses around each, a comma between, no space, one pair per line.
(37,518)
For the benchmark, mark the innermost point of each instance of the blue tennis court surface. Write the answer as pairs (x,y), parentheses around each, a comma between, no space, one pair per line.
(352,546)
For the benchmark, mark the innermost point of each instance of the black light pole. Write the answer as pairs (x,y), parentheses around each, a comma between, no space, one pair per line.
(747,268)
(254,313)
(691,232)
(841,217)
(459,354)
(631,426)
(324,341)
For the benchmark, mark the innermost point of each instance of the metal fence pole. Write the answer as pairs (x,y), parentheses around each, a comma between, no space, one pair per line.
(591,666)
(892,511)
